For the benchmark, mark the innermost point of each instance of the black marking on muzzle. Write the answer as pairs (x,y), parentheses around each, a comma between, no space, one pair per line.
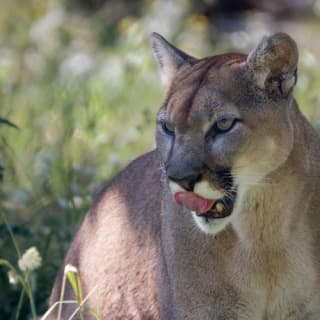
(224,178)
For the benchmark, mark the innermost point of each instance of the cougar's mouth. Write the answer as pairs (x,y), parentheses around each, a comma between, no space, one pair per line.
(204,200)
(207,208)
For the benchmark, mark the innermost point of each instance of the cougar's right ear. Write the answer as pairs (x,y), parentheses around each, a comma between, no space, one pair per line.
(169,58)
(273,64)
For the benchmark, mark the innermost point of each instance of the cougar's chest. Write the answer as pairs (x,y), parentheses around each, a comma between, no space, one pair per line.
(278,285)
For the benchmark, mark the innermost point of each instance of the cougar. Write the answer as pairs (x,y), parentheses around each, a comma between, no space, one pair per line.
(221,221)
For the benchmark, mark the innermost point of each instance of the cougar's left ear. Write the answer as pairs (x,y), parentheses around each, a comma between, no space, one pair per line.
(273,64)
(169,58)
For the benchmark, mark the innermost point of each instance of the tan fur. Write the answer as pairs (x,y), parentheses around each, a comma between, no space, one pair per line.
(149,258)
(117,246)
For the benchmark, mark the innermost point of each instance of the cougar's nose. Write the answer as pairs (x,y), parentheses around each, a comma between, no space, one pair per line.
(187,183)
(186,180)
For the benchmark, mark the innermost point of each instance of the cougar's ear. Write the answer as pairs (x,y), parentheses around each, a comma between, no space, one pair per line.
(273,64)
(169,58)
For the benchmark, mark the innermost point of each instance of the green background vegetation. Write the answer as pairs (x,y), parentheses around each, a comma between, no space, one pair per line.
(78,79)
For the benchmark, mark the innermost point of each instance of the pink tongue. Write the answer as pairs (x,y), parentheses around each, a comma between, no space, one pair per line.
(193,201)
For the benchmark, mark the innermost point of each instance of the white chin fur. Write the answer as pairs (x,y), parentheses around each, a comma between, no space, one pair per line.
(211,226)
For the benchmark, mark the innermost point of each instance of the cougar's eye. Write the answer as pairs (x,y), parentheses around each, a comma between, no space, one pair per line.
(224,124)
(168,128)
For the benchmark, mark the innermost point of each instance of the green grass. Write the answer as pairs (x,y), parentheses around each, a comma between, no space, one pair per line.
(72,137)
(75,133)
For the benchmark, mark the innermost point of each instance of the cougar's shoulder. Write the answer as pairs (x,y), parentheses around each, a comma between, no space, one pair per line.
(116,247)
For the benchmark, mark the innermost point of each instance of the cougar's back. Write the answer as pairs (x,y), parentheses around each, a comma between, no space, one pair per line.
(116,247)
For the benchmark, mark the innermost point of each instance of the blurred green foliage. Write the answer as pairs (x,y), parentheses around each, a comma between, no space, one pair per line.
(84,91)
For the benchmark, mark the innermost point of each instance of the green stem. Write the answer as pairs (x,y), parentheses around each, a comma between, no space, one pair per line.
(63,287)
(30,295)
(6,222)
(11,267)
(20,304)
(79,298)
(24,282)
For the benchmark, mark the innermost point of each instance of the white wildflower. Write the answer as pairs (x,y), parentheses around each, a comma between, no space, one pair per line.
(240,39)
(164,17)
(316,7)
(77,201)
(114,158)
(77,64)
(13,278)
(70,268)
(30,260)
(44,32)
(308,59)
(112,71)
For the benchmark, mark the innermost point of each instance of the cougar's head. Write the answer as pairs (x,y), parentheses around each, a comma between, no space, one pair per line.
(224,125)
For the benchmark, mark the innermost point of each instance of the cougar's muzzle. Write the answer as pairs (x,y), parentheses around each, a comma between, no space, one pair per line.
(204,207)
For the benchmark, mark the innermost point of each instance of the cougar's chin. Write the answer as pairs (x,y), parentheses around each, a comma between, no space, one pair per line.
(211,225)
(218,217)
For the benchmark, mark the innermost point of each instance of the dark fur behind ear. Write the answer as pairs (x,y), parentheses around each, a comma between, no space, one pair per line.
(168,57)
(274,64)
